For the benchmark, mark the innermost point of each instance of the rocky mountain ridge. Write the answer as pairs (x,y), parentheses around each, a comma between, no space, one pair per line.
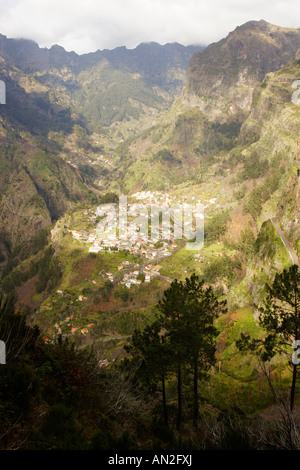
(154,62)
(223,76)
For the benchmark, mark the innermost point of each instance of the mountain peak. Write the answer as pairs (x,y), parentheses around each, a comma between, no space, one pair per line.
(230,69)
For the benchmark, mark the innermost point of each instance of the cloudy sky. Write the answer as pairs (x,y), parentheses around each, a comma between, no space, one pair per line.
(88,25)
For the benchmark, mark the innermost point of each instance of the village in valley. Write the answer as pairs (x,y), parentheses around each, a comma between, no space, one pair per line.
(112,233)
(138,232)
(135,247)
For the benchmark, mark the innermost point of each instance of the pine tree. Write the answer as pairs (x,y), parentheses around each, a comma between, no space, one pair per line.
(151,354)
(188,312)
(172,309)
(280,316)
(201,309)
(281,313)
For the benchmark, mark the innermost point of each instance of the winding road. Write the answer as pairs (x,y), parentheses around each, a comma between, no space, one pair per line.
(285,242)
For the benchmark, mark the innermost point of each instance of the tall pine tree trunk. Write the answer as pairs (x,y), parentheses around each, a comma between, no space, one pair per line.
(179,397)
(164,400)
(196,397)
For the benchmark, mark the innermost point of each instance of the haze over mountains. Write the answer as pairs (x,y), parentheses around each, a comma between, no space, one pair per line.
(153,61)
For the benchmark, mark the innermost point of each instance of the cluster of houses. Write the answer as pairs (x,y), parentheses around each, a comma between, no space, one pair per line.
(134,239)
(131,278)
(153,197)
(131,231)
(150,271)
(67,322)
(114,232)
(161,198)
(199,258)
(131,235)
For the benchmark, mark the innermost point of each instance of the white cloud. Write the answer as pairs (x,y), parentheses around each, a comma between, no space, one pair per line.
(88,25)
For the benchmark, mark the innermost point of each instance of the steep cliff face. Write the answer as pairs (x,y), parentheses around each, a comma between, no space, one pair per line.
(273,127)
(274,124)
(204,122)
(222,77)
(36,185)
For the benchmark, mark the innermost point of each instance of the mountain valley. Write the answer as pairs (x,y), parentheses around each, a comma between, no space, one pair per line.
(164,126)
